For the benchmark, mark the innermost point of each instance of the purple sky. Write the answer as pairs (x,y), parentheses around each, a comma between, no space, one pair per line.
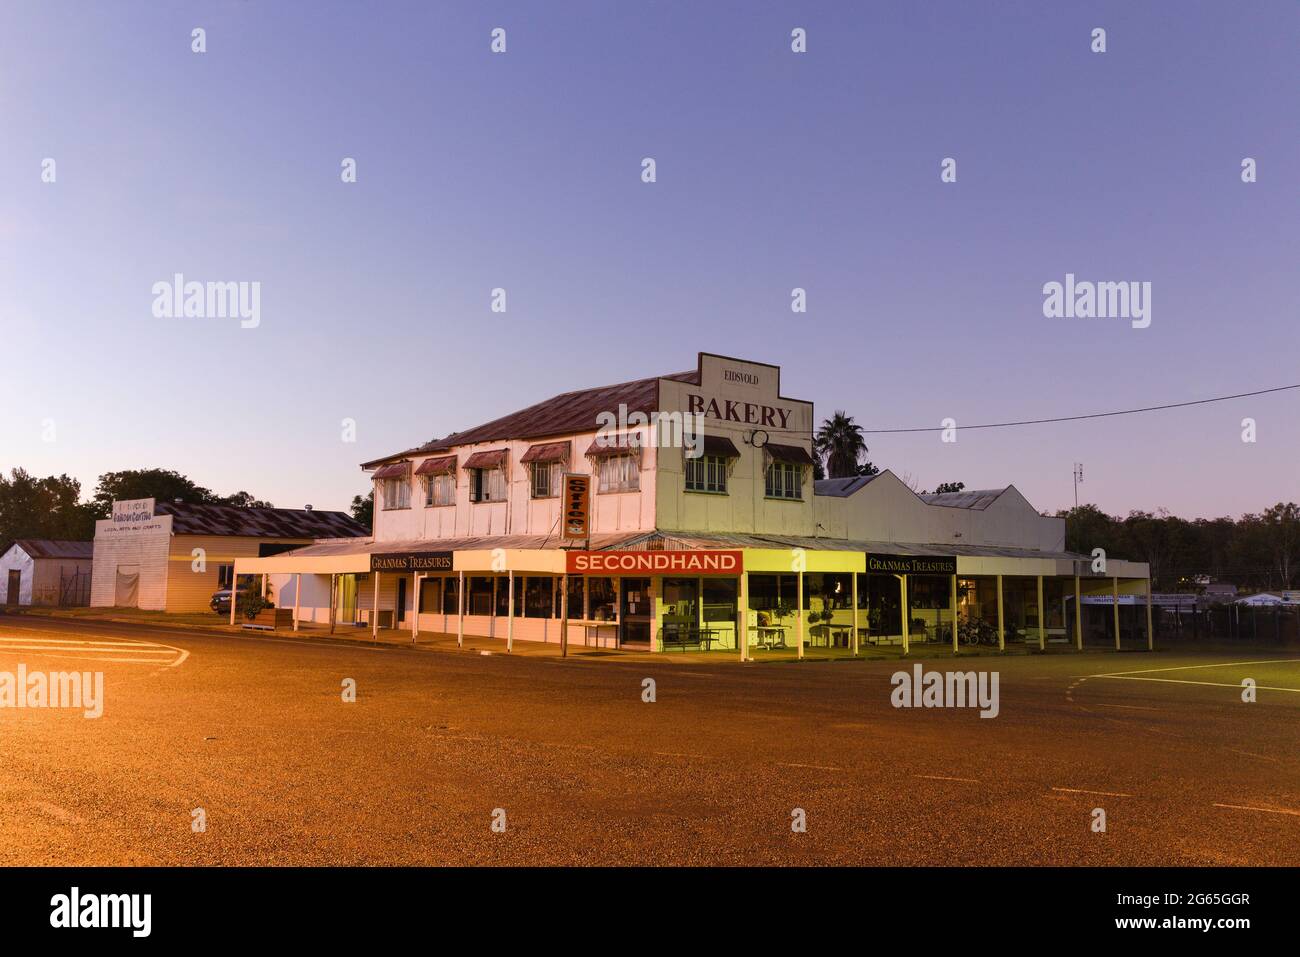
(775,170)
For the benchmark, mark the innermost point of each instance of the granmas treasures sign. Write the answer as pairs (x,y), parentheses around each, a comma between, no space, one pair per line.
(411,562)
(912,564)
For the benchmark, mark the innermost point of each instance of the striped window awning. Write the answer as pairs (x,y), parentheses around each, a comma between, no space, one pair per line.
(493,459)
(393,470)
(628,443)
(546,452)
(443,465)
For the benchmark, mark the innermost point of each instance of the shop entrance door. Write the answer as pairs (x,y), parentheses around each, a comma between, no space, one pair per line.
(15,583)
(637,610)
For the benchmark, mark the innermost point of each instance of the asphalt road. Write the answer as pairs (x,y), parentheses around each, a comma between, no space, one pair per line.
(255,732)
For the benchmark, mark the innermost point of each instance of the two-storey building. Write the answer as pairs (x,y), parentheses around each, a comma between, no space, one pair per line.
(704,528)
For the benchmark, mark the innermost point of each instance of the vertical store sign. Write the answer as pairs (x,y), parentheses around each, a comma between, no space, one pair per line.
(577,506)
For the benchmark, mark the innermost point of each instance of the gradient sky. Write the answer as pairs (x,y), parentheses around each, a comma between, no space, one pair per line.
(775,170)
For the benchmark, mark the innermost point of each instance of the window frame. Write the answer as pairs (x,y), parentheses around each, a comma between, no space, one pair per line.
(552,470)
(773,491)
(706,466)
(431,484)
(390,484)
(631,477)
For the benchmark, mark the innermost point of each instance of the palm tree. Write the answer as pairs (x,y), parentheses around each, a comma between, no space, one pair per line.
(840,442)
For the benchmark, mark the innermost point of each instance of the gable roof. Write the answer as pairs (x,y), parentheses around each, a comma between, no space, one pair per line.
(969,498)
(188,519)
(564,414)
(48,548)
(842,487)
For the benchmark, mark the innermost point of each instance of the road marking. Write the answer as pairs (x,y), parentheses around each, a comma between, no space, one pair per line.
(1208,684)
(1224,664)
(815,767)
(1265,810)
(1113,794)
(1126,707)
(939,777)
(81,649)
(54,811)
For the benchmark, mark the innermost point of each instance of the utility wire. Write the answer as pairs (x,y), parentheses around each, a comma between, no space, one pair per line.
(1091,415)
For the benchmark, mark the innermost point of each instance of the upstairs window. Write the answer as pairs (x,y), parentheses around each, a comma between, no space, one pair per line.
(619,473)
(487,485)
(784,480)
(440,490)
(706,473)
(396,493)
(545,479)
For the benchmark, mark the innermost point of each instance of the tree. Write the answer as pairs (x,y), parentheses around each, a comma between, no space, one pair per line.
(1282,531)
(839,441)
(43,508)
(944,487)
(164,485)
(363,510)
(245,500)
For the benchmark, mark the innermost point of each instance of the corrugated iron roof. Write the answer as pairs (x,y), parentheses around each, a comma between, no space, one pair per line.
(443,465)
(564,414)
(971,498)
(790,453)
(48,548)
(546,452)
(188,519)
(688,540)
(841,487)
(369,546)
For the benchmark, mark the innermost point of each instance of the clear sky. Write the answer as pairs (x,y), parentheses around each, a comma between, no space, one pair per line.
(775,170)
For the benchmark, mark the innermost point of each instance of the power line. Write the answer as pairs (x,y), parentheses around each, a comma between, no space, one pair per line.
(1090,415)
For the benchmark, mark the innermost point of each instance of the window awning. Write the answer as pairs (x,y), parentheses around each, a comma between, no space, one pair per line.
(628,443)
(793,454)
(443,465)
(493,459)
(546,452)
(393,470)
(720,446)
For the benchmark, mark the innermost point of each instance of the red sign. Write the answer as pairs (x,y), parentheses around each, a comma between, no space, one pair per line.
(655,563)
(576,502)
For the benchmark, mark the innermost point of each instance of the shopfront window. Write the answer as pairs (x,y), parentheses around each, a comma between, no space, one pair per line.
(503,596)
(479,595)
(681,600)
(575,596)
(602,599)
(719,600)
(450,602)
(430,595)
(539,596)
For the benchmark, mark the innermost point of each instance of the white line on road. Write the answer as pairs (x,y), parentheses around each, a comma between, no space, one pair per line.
(939,777)
(1265,810)
(815,767)
(1222,664)
(1113,794)
(1208,684)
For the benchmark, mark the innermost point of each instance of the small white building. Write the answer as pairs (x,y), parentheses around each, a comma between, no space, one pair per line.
(44,572)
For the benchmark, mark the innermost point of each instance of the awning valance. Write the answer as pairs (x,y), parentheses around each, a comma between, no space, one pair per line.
(546,452)
(720,446)
(393,470)
(615,445)
(443,465)
(793,454)
(493,459)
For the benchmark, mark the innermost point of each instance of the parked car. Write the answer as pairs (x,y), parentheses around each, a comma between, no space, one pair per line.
(220,602)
